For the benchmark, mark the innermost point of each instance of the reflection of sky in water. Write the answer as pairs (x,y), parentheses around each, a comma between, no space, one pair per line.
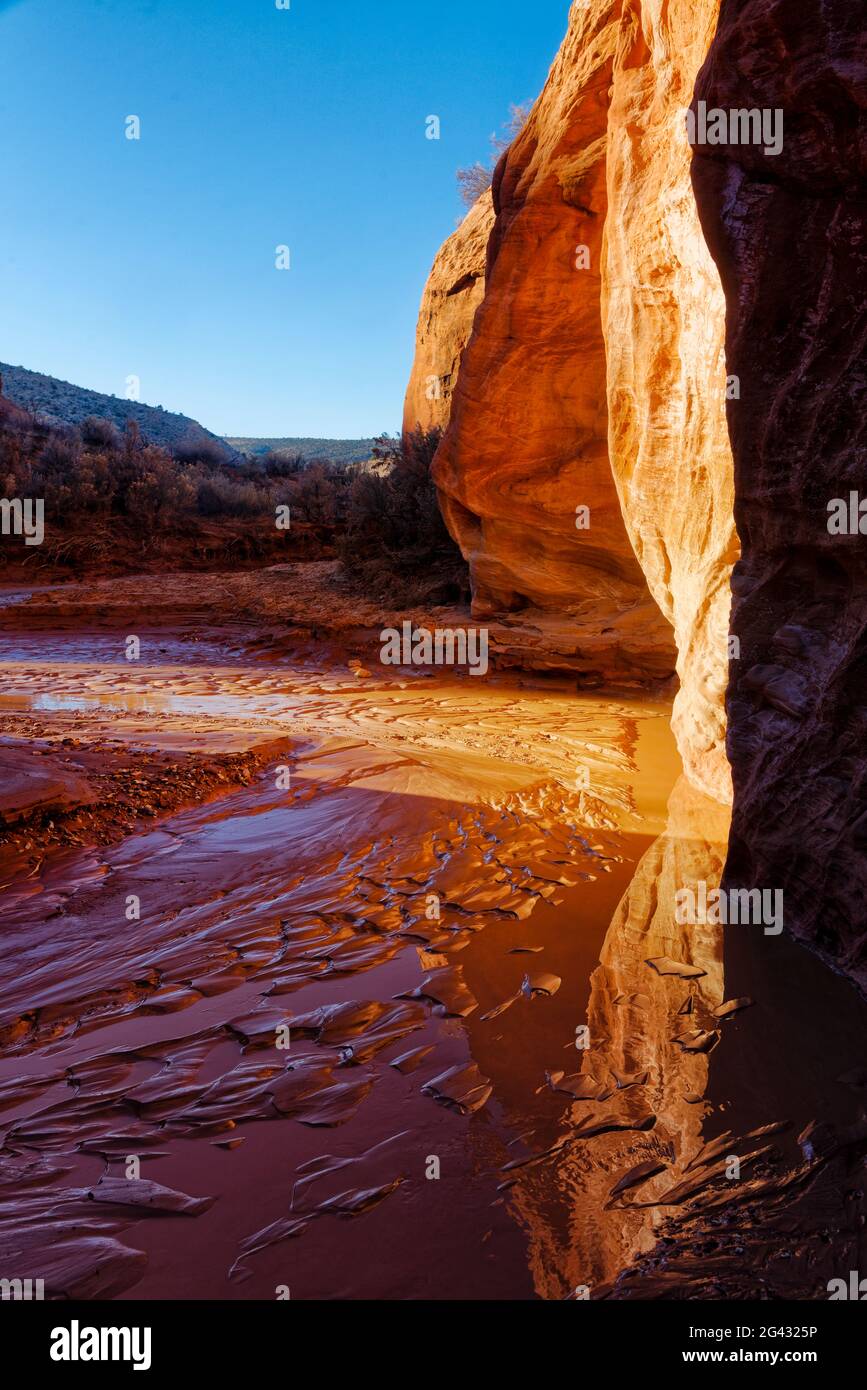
(215,706)
(110,650)
(65,702)
(118,704)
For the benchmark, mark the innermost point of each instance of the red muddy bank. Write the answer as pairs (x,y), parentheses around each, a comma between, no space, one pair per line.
(413,883)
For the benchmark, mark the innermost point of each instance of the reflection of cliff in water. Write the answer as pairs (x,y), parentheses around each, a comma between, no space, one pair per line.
(644,1092)
(686,1072)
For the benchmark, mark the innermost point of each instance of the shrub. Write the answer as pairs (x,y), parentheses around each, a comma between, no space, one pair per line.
(195,449)
(222,495)
(98,433)
(318,495)
(280,463)
(155,489)
(476,178)
(394,536)
(473,181)
(60,453)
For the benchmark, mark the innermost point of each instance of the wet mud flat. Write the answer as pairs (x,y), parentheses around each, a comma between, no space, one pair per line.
(414,1021)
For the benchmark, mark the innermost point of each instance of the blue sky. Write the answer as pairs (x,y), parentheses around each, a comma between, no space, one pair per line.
(259,127)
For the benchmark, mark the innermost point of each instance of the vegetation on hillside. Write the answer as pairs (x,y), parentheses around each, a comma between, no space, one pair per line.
(311,450)
(114,501)
(395,542)
(60,403)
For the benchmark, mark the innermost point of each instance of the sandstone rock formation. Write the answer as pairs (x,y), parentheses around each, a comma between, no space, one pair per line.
(789,234)
(527,443)
(453,293)
(664,319)
(594,378)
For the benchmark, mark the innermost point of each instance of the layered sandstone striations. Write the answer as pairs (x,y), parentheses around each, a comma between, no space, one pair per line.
(789,233)
(453,293)
(594,378)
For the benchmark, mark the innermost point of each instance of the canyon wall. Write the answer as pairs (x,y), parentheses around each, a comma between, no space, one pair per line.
(594,379)
(664,318)
(454,291)
(527,442)
(789,234)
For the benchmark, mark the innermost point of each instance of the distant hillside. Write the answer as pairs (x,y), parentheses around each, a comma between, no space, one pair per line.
(339,450)
(60,402)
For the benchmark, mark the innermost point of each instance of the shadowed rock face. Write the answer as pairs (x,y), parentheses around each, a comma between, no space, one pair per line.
(594,378)
(789,234)
(453,293)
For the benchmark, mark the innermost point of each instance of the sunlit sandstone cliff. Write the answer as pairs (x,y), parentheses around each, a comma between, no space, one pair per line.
(453,293)
(664,318)
(789,233)
(594,378)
